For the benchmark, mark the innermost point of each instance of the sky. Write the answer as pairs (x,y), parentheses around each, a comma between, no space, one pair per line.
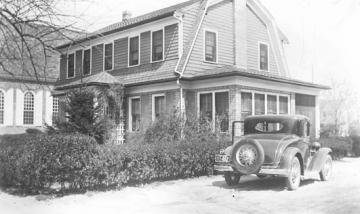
(323,34)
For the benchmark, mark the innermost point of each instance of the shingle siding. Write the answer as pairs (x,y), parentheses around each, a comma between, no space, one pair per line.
(97,64)
(121,53)
(145,47)
(219,18)
(78,65)
(258,32)
(171,42)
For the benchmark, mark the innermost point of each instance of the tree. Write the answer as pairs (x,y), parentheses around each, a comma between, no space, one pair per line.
(339,108)
(29,32)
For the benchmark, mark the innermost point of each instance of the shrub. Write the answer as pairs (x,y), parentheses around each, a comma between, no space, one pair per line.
(341,146)
(76,163)
(356,145)
(33,131)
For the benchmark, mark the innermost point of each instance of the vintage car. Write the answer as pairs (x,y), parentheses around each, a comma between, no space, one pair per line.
(277,145)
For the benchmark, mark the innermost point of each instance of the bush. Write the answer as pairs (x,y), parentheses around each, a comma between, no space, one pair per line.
(33,131)
(341,146)
(356,145)
(35,164)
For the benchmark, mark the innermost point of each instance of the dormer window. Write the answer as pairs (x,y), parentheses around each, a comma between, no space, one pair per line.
(210,46)
(71,66)
(157,45)
(108,56)
(263,57)
(134,51)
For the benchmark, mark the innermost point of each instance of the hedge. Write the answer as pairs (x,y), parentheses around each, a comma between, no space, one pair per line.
(341,146)
(37,163)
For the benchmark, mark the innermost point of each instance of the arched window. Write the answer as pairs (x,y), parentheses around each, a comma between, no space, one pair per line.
(28,108)
(1,107)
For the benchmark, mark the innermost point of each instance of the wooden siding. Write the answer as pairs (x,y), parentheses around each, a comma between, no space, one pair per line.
(145,47)
(97,64)
(78,65)
(121,54)
(189,19)
(258,32)
(63,66)
(171,42)
(219,18)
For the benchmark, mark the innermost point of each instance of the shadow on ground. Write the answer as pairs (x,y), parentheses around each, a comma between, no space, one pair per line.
(250,183)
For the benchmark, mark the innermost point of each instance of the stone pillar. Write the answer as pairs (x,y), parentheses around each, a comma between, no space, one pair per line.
(317,116)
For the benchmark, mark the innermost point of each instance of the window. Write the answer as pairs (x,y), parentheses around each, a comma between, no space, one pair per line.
(28,108)
(210,46)
(215,105)
(271,104)
(2,107)
(259,104)
(55,115)
(222,110)
(86,62)
(157,45)
(283,105)
(158,106)
(246,104)
(134,51)
(264,57)
(108,56)
(206,106)
(134,114)
(71,66)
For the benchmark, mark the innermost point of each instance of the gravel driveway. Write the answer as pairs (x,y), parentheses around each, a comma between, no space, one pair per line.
(210,195)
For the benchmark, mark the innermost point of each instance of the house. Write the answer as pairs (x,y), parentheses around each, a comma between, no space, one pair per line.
(25,95)
(211,57)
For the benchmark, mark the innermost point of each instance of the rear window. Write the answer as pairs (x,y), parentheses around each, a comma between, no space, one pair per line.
(269,127)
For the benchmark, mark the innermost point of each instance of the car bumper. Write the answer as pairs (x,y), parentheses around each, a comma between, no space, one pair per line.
(263,170)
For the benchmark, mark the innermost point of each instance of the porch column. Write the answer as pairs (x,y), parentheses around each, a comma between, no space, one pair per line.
(292,104)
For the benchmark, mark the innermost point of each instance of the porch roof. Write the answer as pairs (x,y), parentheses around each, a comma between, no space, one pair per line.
(102,78)
(235,71)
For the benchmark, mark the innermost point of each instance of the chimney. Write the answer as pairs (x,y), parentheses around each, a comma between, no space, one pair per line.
(126,15)
(240,32)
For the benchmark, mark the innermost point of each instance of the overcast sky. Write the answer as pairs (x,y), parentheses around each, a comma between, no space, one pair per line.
(324,34)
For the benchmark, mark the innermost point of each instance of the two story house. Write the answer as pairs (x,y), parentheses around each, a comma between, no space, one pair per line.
(212,57)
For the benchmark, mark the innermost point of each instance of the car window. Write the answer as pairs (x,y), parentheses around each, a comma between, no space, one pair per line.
(269,127)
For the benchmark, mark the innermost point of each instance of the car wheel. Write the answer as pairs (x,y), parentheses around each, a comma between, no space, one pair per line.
(325,173)
(247,156)
(293,180)
(232,178)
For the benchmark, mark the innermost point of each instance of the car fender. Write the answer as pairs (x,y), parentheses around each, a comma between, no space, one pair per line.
(287,156)
(318,160)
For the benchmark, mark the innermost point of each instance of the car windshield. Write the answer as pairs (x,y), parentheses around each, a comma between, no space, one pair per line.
(269,126)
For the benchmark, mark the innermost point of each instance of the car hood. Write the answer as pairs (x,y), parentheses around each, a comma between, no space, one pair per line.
(273,145)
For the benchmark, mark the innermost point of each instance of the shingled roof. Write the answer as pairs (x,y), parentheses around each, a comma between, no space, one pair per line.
(130,23)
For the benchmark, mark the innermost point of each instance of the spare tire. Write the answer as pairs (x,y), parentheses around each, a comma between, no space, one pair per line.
(247,156)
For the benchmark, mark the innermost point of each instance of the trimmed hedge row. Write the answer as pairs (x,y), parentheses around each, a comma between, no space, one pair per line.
(38,163)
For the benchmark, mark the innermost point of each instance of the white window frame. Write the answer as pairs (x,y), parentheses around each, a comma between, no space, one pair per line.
(112,57)
(23,110)
(67,65)
(217,45)
(130,111)
(253,92)
(4,96)
(213,92)
(83,53)
(151,44)
(268,55)
(153,104)
(139,52)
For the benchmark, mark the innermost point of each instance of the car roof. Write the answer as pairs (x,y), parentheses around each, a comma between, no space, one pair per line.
(280,117)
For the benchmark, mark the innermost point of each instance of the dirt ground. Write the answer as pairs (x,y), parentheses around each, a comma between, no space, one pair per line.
(210,195)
